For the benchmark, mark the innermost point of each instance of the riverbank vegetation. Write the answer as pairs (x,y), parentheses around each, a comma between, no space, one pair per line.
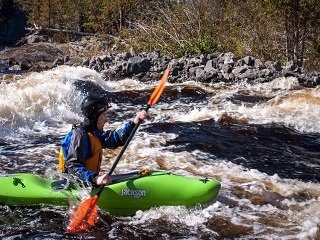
(278,30)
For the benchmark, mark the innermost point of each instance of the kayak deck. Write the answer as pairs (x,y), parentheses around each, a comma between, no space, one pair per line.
(127,194)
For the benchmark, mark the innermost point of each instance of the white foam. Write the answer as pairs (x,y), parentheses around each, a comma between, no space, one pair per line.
(48,97)
(298,109)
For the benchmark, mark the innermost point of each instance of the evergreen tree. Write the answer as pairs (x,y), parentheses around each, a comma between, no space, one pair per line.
(6,9)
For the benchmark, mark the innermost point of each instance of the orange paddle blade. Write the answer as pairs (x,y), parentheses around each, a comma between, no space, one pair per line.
(85,216)
(159,89)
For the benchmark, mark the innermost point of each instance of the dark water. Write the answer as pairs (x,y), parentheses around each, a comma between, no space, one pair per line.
(270,149)
(265,153)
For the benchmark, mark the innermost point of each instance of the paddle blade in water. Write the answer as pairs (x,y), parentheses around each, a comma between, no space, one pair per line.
(85,216)
(159,89)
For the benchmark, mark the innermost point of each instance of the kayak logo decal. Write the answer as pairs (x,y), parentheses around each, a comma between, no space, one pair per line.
(135,193)
(17,181)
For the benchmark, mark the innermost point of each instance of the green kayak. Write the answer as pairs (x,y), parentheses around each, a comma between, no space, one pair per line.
(127,194)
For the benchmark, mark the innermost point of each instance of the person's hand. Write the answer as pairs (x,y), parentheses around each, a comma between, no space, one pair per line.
(140,116)
(103,179)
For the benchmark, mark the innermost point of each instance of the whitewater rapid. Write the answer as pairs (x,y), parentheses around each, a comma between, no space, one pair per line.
(38,109)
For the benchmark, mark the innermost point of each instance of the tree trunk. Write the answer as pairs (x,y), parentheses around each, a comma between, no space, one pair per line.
(49,13)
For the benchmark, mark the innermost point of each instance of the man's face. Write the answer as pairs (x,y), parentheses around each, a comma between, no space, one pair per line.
(103,118)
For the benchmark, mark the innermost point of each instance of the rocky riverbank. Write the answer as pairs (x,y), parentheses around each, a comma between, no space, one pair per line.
(37,55)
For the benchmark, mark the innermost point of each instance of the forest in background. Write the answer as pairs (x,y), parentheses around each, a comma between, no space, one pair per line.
(277,30)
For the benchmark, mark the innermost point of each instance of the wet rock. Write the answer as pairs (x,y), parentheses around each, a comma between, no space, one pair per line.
(29,55)
(154,75)
(85,62)
(105,58)
(203,59)
(174,72)
(249,61)
(290,66)
(226,58)
(34,38)
(211,56)
(153,55)
(38,68)
(265,73)
(92,62)
(237,71)
(316,79)
(210,66)
(58,61)
(258,64)
(150,66)
(109,74)
(250,74)
(226,68)
(273,65)
(246,61)
(122,56)
(138,65)
(200,73)
(70,62)
(192,71)
(178,64)
(15,68)
(98,65)
(288,73)
(194,61)
(117,69)
(66,59)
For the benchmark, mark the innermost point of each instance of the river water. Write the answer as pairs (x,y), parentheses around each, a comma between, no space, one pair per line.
(260,140)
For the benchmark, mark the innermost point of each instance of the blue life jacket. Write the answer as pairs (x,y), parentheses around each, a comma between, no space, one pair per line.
(65,145)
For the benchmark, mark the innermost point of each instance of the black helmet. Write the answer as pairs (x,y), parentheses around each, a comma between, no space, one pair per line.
(93,106)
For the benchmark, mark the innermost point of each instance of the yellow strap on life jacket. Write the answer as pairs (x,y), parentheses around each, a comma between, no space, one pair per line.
(94,162)
(61,161)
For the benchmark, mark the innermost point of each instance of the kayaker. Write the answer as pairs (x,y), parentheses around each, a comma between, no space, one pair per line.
(81,150)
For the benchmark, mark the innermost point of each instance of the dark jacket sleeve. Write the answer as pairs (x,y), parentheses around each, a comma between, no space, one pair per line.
(116,138)
(75,162)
